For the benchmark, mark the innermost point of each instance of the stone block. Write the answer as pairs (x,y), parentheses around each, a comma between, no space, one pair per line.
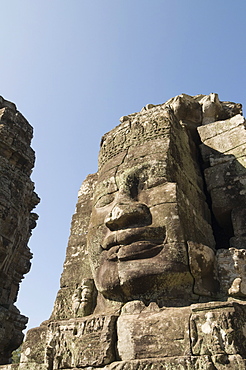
(229,174)
(238,242)
(218,329)
(214,333)
(32,366)
(153,335)
(187,109)
(34,348)
(231,362)
(238,217)
(169,213)
(228,140)
(81,342)
(231,271)
(218,127)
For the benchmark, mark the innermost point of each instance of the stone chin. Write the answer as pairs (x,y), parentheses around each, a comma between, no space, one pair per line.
(156,277)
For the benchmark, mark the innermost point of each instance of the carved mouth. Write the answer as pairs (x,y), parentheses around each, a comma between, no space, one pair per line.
(136,243)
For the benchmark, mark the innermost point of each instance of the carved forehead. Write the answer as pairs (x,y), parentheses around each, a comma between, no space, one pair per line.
(154,121)
(138,130)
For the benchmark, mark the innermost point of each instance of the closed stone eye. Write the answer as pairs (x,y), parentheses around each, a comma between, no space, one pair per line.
(105,200)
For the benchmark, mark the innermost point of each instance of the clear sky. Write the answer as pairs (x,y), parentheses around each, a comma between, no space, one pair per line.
(74,67)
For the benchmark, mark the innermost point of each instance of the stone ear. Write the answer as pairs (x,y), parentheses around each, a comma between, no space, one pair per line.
(203,269)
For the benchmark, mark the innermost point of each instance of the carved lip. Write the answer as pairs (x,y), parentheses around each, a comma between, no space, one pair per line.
(135,243)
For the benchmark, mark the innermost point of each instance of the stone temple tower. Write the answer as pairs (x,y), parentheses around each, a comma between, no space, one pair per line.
(154,276)
(17,199)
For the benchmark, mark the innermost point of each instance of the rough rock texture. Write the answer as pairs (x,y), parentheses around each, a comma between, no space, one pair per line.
(77,276)
(224,153)
(17,199)
(154,276)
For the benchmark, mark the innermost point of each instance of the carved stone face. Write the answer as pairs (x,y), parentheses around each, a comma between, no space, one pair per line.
(134,239)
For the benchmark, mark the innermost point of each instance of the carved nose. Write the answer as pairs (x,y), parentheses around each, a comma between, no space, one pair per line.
(125,215)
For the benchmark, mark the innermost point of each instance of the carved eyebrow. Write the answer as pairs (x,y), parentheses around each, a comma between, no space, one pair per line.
(134,172)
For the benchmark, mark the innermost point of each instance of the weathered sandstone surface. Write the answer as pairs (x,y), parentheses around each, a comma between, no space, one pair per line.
(17,199)
(154,276)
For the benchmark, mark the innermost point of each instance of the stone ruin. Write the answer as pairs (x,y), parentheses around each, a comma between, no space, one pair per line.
(154,276)
(17,199)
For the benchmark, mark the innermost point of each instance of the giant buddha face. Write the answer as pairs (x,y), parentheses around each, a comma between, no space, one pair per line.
(135,239)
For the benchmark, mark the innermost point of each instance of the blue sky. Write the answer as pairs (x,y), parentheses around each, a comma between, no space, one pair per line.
(74,67)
